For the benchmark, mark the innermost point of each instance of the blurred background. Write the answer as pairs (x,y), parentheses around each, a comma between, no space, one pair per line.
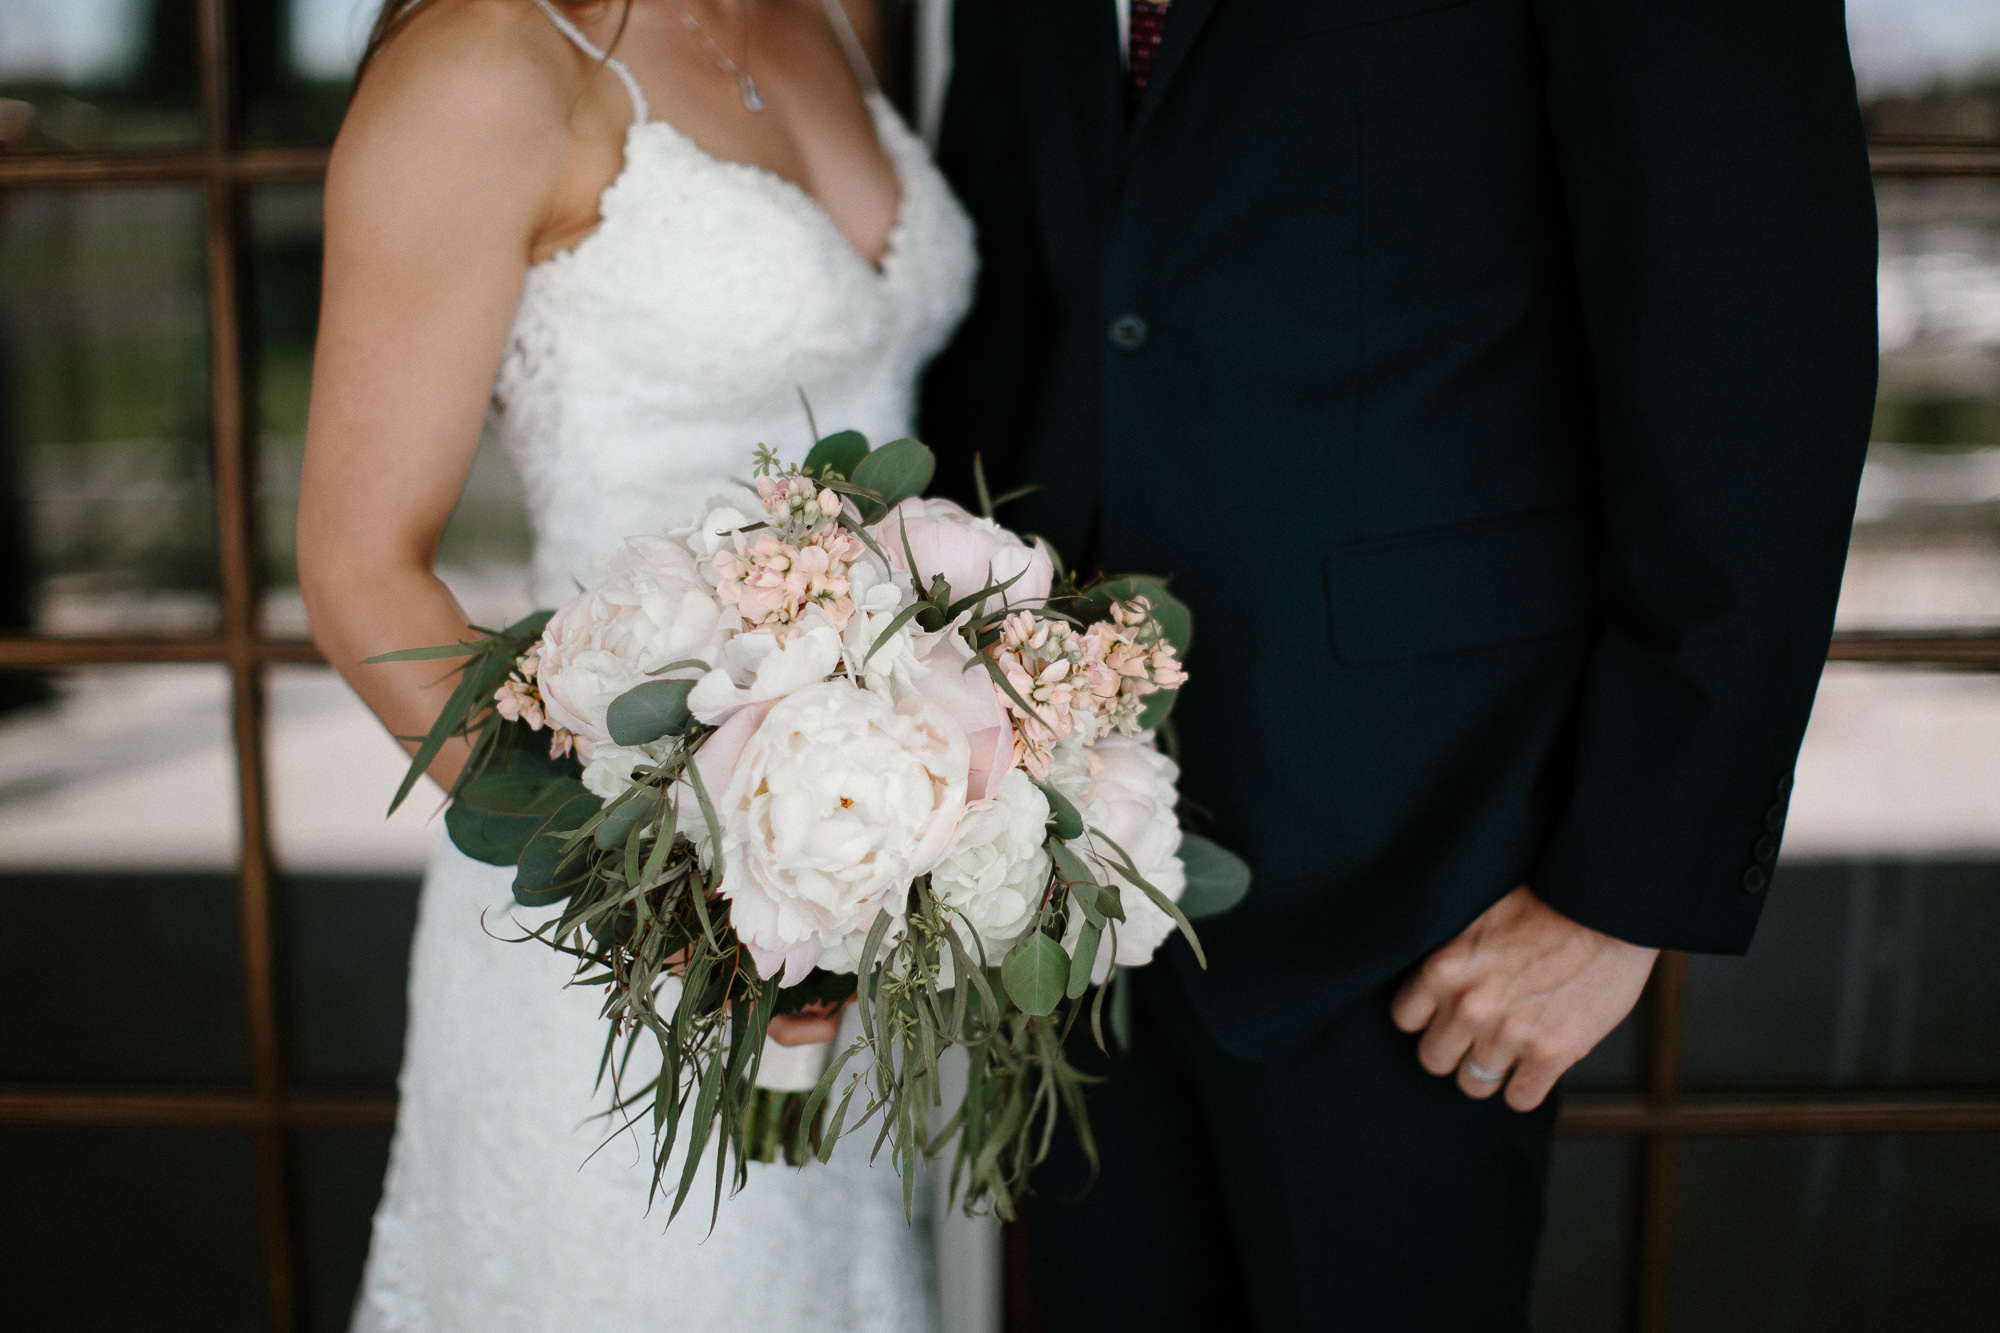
(192,1136)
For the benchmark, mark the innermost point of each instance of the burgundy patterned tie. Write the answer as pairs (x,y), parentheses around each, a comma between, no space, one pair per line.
(1149,20)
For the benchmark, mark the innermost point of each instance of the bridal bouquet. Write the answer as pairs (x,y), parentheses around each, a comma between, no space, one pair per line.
(828,741)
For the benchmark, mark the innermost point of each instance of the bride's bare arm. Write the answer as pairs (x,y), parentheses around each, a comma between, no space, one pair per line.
(446,172)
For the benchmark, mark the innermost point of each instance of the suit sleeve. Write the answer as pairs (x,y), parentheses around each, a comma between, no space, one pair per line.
(982,393)
(1716,184)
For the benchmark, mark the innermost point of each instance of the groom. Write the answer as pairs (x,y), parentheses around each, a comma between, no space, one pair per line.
(1493,377)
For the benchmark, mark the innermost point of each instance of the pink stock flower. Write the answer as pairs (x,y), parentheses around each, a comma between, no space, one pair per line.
(771,582)
(1043,660)
(1126,658)
(519,698)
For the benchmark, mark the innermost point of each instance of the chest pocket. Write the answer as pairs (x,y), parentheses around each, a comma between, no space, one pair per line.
(1521,576)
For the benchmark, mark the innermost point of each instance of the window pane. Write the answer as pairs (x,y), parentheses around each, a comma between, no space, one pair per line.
(104,411)
(79,74)
(125,768)
(175,1013)
(347,961)
(1927,67)
(339,1180)
(297,62)
(1857,1235)
(1865,974)
(1926,552)
(1901,761)
(117,1230)
(118,819)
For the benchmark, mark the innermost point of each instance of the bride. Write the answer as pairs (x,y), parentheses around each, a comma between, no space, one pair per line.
(635,266)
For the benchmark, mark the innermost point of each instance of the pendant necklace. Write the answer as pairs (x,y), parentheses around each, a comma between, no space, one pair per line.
(752,99)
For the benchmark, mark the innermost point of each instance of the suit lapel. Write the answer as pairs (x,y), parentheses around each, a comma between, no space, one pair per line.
(1184,24)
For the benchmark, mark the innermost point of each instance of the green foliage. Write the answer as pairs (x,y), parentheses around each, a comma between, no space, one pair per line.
(1063,815)
(646,713)
(841,453)
(1036,973)
(1217,878)
(896,471)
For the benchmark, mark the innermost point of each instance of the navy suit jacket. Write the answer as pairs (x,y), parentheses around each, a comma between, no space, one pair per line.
(1493,378)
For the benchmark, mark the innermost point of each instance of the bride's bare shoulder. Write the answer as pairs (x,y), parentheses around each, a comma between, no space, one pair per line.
(463,76)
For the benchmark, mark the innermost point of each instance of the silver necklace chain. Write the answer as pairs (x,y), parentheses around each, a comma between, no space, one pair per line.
(747,86)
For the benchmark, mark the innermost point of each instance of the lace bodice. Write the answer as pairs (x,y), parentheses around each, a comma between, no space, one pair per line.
(643,366)
(712,303)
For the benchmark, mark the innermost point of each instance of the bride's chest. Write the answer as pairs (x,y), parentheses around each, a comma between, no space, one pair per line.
(705,272)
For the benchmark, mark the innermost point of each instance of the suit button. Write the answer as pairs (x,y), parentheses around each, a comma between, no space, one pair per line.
(1766,848)
(1774,818)
(1754,880)
(1784,786)
(1129,332)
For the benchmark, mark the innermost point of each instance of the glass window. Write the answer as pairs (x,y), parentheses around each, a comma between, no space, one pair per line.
(1863,1235)
(104,453)
(83,74)
(1927,67)
(296,63)
(128,768)
(1898,761)
(1926,552)
(128,1229)
(1867,973)
(339,1179)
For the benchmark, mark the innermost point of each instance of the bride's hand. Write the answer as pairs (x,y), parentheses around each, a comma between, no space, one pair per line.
(804,1029)
(1523,992)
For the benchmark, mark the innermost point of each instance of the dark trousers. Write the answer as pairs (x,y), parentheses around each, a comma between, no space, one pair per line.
(1338,1188)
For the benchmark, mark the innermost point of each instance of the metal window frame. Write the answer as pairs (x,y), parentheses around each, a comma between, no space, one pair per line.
(1658,1120)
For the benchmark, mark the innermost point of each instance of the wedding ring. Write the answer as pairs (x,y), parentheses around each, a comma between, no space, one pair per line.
(1481,1072)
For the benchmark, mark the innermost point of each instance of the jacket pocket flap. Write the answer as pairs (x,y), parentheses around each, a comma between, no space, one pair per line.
(1466,586)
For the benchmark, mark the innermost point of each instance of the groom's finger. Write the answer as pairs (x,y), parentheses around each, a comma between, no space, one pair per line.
(1462,1017)
(1414,1005)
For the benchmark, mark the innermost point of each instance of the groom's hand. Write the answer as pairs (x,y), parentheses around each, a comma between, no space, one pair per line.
(1525,993)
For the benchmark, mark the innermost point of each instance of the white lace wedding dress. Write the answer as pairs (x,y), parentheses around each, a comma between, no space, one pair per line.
(643,366)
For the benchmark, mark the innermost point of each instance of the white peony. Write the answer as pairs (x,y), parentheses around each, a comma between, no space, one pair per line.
(720,516)
(755,668)
(647,606)
(879,595)
(609,772)
(998,865)
(838,801)
(1130,801)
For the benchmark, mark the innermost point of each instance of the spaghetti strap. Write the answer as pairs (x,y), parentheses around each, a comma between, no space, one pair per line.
(850,43)
(641,112)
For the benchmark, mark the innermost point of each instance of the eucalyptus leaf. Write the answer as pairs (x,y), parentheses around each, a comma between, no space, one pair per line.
(897,471)
(1217,878)
(548,873)
(1036,973)
(647,712)
(842,452)
(618,826)
(466,649)
(1069,823)
(1085,958)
